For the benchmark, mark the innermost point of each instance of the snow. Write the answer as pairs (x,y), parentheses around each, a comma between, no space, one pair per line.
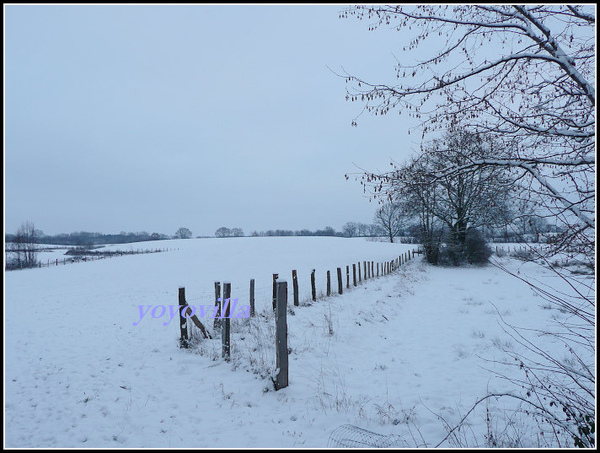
(392,355)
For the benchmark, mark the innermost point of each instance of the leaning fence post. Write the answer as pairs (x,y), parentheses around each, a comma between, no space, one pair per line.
(313,287)
(226,323)
(183,340)
(340,283)
(282,363)
(252,308)
(295,287)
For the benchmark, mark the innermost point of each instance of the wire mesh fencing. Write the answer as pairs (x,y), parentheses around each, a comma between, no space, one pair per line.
(350,436)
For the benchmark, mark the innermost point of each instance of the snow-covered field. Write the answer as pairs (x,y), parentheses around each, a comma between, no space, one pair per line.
(395,355)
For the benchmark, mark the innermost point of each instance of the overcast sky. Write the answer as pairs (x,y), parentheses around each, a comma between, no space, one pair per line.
(150,118)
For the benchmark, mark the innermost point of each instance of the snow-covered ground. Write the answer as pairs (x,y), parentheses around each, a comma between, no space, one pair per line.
(397,355)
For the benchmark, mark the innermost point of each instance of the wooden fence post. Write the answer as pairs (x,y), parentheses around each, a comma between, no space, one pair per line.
(359,279)
(252,307)
(372,269)
(340,283)
(347,277)
(313,287)
(378,269)
(295,287)
(328,283)
(184,339)
(226,324)
(354,274)
(275,277)
(282,363)
(217,322)
(365,271)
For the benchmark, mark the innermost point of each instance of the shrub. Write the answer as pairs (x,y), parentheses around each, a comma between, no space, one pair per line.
(452,254)
(473,251)
(476,249)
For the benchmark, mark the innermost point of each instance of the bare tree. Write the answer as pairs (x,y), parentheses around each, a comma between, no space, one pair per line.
(522,74)
(183,233)
(415,197)
(460,201)
(389,219)
(463,200)
(237,232)
(223,232)
(363,229)
(25,246)
(350,229)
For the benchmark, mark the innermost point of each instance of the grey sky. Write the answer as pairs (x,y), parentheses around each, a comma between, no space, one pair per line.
(131,118)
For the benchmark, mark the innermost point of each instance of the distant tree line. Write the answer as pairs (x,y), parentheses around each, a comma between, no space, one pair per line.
(84,238)
(349,229)
(225,232)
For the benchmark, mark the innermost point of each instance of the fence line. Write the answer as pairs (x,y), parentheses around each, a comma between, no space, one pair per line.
(79,257)
(278,296)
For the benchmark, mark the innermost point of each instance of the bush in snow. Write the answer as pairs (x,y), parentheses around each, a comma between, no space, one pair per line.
(474,250)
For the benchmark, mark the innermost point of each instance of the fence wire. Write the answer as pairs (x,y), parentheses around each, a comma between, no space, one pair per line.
(350,436)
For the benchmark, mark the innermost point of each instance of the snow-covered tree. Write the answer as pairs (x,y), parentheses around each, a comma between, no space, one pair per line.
(523,75)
